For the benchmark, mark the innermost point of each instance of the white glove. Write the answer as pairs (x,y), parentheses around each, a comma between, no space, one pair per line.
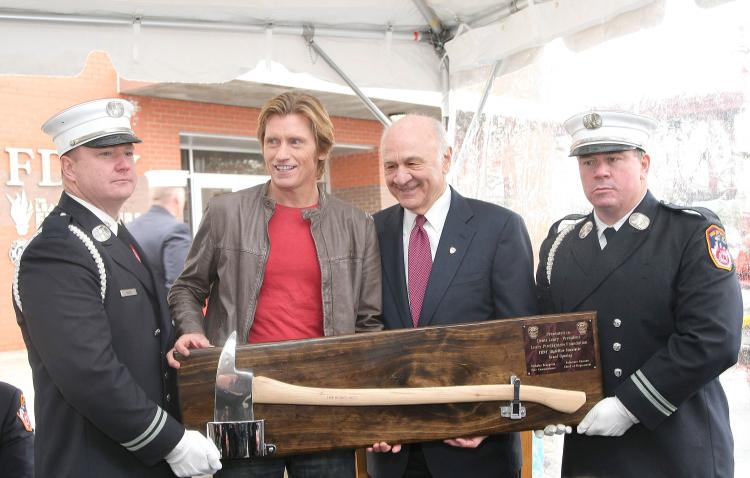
(552,430)
(194,455)
(608,418)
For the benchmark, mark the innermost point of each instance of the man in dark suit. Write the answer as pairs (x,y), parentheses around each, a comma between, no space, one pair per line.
(446,260)
(16,434)
(95,327)
(164,238)
(663,285)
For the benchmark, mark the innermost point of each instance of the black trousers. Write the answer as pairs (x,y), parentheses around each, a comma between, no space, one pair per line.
(416,467)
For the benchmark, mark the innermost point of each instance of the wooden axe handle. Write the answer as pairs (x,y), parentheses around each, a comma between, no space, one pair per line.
(267,390)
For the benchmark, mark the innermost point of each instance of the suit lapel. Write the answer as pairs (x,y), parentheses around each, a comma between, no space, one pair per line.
(392,252)
(597,265)
(456,236)
(123,255)
(586,252)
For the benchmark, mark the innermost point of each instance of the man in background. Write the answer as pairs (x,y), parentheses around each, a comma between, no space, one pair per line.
(163,236)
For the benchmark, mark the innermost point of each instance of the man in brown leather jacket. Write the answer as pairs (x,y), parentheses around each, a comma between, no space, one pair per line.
(282,261)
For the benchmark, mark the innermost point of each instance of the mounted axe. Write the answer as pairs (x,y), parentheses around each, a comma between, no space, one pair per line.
(268,390)
(251,389)
(328,393)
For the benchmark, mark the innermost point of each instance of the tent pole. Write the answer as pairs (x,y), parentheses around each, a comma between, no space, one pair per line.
(429,14)
(182,24)
(445,105)
(474,125)
(440,35)
(309,34)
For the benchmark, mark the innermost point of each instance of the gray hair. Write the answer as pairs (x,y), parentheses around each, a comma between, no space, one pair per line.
(161,195)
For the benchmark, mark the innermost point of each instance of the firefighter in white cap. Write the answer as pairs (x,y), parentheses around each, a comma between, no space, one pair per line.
(95,327)
(664,287)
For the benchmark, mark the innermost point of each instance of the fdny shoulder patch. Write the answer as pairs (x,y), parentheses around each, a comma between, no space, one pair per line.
(716,239)
(23,415)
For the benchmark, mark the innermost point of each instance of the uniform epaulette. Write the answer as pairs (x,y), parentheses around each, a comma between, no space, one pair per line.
(568,220)
(701,211)
(56,225)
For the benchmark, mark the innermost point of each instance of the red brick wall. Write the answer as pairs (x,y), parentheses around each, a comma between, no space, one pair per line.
(27,101)
(354,178)
(160,121)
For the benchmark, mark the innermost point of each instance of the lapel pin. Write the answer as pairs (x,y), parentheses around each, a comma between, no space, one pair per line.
(639,221)
(101,233)
(585,230)
(452,250)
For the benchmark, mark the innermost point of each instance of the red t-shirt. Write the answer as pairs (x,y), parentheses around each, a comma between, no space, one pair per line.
(290,304)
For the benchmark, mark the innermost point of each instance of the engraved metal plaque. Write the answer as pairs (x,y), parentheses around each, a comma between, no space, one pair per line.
(556,347)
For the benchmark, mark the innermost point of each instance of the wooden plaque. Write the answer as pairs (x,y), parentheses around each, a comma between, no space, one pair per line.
(558,351)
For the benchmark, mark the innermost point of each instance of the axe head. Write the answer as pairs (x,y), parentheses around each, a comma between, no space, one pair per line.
(234,388)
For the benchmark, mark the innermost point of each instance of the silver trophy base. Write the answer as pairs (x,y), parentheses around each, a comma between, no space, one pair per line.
(237,440)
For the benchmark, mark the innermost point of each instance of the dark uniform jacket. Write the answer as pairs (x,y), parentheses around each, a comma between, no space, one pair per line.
(669,316)
(166,242)
(16,435)
(483,270)
(96,335)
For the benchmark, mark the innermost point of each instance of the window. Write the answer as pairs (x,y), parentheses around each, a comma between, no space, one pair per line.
(218,165)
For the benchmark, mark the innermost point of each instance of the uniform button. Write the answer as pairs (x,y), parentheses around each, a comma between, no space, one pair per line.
(157,332)
(166,375)
(616,346)
(168,397)
(173,323)
(617,322)
(618,372)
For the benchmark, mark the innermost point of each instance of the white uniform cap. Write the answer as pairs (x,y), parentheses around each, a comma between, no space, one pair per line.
(608,131)
(95,124)
(167,178)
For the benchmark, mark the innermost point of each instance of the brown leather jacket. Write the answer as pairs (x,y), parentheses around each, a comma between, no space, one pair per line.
(227,261)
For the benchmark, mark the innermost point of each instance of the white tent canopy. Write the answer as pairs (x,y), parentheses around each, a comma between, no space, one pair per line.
(377,43)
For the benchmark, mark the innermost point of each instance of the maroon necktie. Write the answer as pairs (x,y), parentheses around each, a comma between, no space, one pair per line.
(420,265)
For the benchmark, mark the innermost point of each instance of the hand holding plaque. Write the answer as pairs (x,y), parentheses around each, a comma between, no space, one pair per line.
(608,418)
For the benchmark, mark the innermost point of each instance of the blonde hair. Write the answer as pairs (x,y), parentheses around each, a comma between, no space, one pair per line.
(311,108)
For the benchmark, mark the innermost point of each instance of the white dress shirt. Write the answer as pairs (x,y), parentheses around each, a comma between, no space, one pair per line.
(601,225)
(103,216)
(436,217)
